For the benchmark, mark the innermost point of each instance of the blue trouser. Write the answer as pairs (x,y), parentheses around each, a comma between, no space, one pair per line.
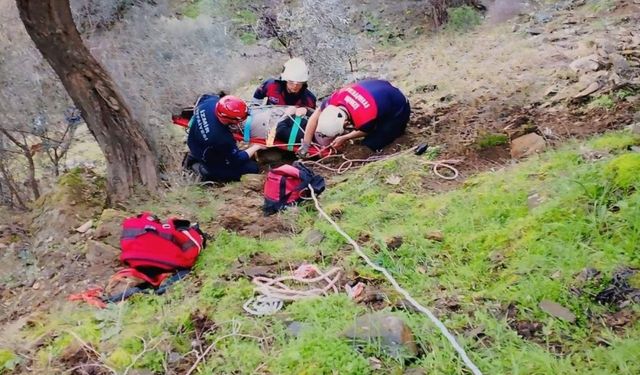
(388,130)
(222,172)
(227,172)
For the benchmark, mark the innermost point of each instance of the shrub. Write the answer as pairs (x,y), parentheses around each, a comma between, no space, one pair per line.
(463,19)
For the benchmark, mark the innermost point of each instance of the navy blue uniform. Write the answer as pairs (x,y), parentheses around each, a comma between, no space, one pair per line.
(375,107)
(212,145)
(276,93)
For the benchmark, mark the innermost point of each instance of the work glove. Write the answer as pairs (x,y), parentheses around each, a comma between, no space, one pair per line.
(303,151)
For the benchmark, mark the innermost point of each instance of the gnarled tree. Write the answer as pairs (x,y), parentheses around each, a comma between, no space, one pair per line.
(129,155)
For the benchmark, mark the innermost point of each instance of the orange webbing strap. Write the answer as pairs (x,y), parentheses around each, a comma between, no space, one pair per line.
(134,273)
(92,296)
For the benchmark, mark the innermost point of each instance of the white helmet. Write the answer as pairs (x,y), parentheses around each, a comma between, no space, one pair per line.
(295,70)
(331,121)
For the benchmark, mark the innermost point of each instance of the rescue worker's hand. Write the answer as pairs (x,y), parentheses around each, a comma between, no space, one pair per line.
(303,151)
(339,142)
(301,111)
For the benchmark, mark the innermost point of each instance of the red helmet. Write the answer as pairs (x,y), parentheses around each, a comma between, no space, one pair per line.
(231,109)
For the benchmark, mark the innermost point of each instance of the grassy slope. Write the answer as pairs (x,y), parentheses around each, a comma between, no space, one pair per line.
(496,251)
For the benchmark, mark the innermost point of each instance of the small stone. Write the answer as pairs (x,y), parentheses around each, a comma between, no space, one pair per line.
(587,274)
(375,363)
(527,145)
(435,235)
(534,200)
(314,237)
(296,328)
(557,310)
(36,285)
(174,357)
(543,17)
(85,227)
(393,335)
(589,63)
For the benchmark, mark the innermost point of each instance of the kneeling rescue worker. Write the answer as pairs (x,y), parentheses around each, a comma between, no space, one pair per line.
(213,152)
(290,89)
(378,111)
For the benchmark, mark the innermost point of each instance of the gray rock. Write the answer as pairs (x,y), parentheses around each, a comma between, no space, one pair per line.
(557,310)
(589,63)
(85,227)
(314,237)
(534,200)
(99,252)
(390,332)
(296,328)
(543,17)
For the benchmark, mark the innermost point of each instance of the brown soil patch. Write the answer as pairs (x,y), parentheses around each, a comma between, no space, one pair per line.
(243,214)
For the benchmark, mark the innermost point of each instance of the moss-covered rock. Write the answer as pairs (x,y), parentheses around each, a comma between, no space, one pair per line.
(624,171)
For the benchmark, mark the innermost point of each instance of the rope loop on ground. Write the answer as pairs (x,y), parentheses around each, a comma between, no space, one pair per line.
(437,166)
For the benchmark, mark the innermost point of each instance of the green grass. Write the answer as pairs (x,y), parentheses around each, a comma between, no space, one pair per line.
(463,19)
(602,101)
(8,360)
(492,140)
(496,251)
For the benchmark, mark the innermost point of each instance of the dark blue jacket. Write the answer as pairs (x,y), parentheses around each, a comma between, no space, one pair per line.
(276,92)
(210,141)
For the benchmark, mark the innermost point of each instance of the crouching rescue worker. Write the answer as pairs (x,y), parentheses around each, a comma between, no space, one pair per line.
(377,110)
(213,152)
(290,89)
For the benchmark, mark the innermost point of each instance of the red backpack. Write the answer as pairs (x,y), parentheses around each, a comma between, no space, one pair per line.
(286,184)
(152,248)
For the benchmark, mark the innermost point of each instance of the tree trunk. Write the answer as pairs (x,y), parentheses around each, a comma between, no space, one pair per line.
(130,158)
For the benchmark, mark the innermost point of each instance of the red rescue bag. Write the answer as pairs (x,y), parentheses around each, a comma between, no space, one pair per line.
(286,184)
(149,244)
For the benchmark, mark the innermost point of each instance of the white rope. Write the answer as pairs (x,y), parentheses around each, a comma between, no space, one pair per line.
(474,369)
(263,305)
(276,288)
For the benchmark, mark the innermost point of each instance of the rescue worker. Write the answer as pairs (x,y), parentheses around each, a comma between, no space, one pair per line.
(378,111)
(213,152)
(290,89)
